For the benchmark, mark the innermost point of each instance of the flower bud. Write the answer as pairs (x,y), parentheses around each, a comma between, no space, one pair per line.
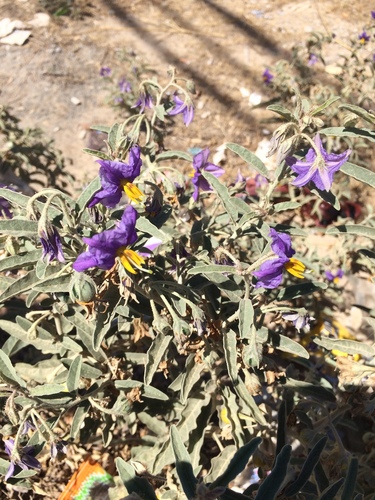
(82,288)
(190,86)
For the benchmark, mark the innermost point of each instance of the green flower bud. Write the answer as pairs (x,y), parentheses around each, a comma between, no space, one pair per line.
(82,288)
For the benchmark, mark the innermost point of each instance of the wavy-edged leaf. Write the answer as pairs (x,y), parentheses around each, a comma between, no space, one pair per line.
(353,229)
(282,111)
(88,193)
(59,284)
(246,318)
(53,394)
(328,197)
(132,482)
(223,193)
(310,390)
(364,133)
(174,155)
(232,410)
(294,291)
(85,332)
(188,421)
(190,376)
(18,227)
(249,158)
(219,464)
(317,110)
(274,481)
(362,113)
(347,346)
(97,154)
(286,205)
(212,268)
(20,261)
(230,353)
(360,173)
(183,464)
(79,417)
(155,354)
(287,344)
(146,226)
(249,401)
(147,391)
(8,372)
(44,342)
(74,374)
(307,468)
(237,463)
(104,319)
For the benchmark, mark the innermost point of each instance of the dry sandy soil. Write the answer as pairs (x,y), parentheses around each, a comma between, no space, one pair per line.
(223,45)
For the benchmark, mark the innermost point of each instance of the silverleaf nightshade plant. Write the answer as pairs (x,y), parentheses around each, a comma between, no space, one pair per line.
(127,343)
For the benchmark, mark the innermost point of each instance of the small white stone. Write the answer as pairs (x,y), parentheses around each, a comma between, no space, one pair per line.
(75,101)
(40,20)
(18,37)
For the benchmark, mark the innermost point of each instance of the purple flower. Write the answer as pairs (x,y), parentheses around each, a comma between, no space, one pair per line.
(300,319)
(270,273)
(116,177)
(373,14)
(267,76)
(24,458)
(144,101)
(182,107)
(58,448)
(200,163)
(317,168)
(335,277)
(124,85)
(105,71)
(51,242)
(313,59)
(363,37)
(106,246)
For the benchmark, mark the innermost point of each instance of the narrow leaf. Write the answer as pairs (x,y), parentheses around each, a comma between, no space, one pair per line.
(249,158)
(18,227)
(352,229)
(309,389)
(237,464)
(365,115)
(8,372)
(307,468)
(360,173)
(133,483)
(147,391)
(88,193)
(282,111)
(74,374)
(347,346)
(230,352)
(155,354)
(332,490)
(20,261)
(174,155)
(317,110)
(349,132)
(183,464)
(294,291)
(274,481)
(223,194)
(286,205)
(246,318)
(190,376)
(350,480)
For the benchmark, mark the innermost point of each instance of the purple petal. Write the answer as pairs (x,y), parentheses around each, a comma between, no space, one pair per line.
(10,471)
(270,273)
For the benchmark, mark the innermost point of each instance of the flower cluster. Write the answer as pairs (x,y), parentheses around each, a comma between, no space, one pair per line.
(270,273)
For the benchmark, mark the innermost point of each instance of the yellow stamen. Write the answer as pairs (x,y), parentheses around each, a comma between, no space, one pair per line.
(131,190)
(295,267)
(130,259)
